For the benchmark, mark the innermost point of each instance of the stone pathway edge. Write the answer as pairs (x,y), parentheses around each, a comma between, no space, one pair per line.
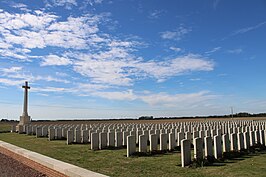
(48,162)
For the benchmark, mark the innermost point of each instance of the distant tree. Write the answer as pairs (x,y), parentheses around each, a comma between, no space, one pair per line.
(146,118)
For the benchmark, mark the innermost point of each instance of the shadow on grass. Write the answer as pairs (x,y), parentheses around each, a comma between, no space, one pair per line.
(229,157)
(157,153)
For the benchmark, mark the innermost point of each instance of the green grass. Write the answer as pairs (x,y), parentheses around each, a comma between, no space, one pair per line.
(5,127)
(114,162)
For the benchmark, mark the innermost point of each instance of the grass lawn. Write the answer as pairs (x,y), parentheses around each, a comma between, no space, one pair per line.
(5,127)
(114,162)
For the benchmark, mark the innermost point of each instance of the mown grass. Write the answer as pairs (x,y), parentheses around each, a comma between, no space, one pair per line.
(5,127)
(114,162)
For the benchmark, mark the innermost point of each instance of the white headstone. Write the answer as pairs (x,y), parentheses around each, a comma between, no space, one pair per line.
(38,132)
(198,148)
(180,137)
(252,138)
(51,134)
(163,141)
(94,141)
(70,137)
(153,142)
(111,139)
(262,137)
(208,146)
(118,139)
(125,134)
(84,136)
(142,143)
(172,142)
(131,145)
(233,142)
(246,140)
(185,153)
(44,131)
(226,143)
(217,147)
(103,140)
(240,141)
(77,136)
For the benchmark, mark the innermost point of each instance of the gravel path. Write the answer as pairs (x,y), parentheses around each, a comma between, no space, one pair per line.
(13,168)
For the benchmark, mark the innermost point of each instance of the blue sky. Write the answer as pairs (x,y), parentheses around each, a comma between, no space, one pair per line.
(127,58)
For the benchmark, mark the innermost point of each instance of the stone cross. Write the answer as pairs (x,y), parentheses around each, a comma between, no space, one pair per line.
(25,118)
(25,108)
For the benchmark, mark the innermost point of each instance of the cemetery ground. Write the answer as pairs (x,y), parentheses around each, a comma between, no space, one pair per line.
(5,126)
(113,162)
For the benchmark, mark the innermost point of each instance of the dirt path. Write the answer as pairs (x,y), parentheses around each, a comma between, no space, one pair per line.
(13,168)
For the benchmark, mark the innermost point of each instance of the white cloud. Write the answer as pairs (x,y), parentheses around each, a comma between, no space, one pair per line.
(13,69)
(124,95)
(11,82)
(4,45)
(7,53)
(160,99)
(51,89)
(176,49)
(19,5)
(85,87)
(39,30)
(177,66)
(107,62)
(55,60)
(61,74)
(235,51)
(247,29)
(49,79)
(155,14)
(195,79)
(118,67)
(177,34)
(93,2)
(19,74)
(66,3)
(177,100)
(215,49)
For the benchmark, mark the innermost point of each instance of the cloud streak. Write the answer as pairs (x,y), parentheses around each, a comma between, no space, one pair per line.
(177,34)
(248,29)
